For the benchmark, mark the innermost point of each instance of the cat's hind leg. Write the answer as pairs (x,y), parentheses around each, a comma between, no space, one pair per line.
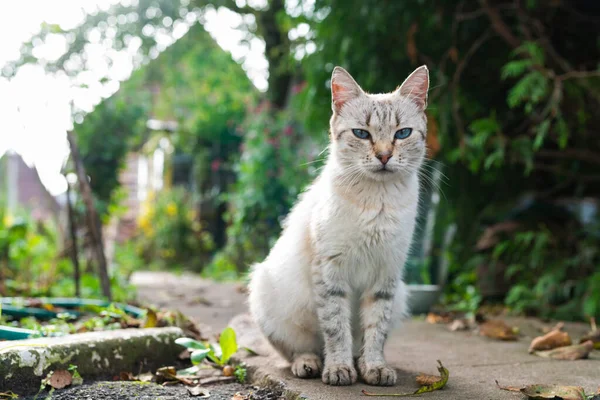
(289,324)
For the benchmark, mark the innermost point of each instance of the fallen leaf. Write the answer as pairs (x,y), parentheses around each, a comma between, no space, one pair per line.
(429,386)
(145,377)
(425,380)
(151,319)
(200,300)
(239,396)
(556,327)
(593,336)
(497,329)
(434,318)
(509,388)
(554,392)
(550,340)
(198,391)
(574,352)
(217,379)
(127,376)
(60,379)
(459,325)
(169,374)
(548,391)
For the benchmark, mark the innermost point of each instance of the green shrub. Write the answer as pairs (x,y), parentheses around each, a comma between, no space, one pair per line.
(170,234)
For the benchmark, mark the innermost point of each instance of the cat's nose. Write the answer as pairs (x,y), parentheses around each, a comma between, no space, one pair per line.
(384,157)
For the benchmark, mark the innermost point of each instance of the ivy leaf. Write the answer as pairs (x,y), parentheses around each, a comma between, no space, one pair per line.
(198,356)
(228,344)
(190,343)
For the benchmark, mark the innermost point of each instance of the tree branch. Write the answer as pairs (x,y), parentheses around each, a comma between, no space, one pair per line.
(571,154)
(498,24)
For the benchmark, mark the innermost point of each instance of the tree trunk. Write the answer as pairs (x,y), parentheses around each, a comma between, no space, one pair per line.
(93,220)
(74,253)
(277,52)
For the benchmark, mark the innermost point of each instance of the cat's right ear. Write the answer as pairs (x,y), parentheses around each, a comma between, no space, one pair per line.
(343,88)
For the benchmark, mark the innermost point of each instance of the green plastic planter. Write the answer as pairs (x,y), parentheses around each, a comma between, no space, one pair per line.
(9,308)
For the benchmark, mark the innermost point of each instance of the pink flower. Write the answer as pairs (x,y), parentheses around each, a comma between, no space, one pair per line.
(215,165)
(288,131)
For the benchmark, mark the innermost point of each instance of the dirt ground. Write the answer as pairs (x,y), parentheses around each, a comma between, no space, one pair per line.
(150,391)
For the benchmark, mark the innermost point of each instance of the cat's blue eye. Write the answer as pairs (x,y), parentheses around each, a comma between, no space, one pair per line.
(403,133)
(361,133)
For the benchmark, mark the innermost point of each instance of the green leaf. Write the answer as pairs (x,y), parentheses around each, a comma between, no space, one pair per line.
(190,343)
(228,344)
(542,131)
(198,356)
(515,68)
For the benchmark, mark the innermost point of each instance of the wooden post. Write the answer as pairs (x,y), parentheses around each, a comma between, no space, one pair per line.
(93,220)
(74,247)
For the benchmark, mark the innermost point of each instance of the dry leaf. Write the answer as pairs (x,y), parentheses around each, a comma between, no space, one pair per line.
(593,336)
(200,300)
(127,376)
(60,379)
(169,374)
(574,352)
(509,388)
(548,391)
(430,385)
(216,379)
(459,325)
(497,329)
(426,380)
(198,391)
(549,341)
(145,377)
(239,396)
(434,318)
(556,327)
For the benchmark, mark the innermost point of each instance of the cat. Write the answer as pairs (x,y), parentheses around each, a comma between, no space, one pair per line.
(331,287)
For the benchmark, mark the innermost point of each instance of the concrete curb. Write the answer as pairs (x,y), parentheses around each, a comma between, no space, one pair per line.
(24,363)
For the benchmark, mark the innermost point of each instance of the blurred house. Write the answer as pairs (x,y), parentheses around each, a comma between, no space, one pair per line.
(144,173)
(22,189)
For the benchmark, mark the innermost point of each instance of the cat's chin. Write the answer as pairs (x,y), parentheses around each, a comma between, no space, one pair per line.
(381,174)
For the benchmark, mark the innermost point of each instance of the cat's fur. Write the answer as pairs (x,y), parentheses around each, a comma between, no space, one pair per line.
(332,286)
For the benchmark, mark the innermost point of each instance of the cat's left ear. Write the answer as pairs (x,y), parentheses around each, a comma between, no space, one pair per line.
(416,87)
(343,88)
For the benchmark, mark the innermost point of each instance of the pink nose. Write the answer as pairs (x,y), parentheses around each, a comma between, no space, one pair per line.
(384,157)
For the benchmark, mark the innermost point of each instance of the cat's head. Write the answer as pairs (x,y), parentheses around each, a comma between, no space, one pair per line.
(379,136)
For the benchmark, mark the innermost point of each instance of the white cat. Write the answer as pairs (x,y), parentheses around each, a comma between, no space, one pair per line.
(332,286)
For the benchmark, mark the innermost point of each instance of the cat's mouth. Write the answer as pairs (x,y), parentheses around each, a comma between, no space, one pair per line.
(383,170)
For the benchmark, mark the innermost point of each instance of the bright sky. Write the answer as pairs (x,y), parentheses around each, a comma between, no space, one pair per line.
(35,108)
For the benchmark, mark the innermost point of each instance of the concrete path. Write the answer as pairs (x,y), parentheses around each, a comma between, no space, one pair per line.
(212,305)
(474,362)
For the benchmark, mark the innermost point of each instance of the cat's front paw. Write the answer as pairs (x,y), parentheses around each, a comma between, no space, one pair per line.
(339,375)
(378,375)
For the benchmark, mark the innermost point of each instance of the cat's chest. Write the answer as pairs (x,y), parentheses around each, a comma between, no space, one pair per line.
(369,227)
